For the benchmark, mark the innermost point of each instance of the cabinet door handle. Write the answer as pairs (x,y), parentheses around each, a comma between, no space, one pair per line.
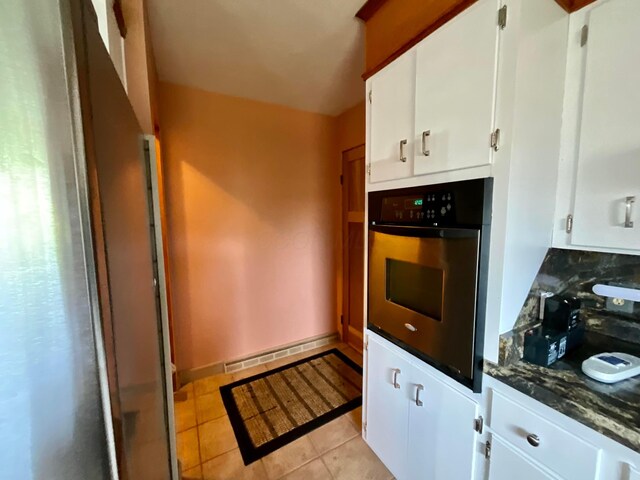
(396,372)
(425,136)
(627,215)
(419,388)
(533,440)
(403,157)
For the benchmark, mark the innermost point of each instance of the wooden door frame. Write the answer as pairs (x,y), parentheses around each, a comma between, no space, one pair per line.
(349,155)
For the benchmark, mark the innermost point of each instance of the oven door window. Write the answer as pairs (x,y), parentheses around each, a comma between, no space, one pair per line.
(416,287)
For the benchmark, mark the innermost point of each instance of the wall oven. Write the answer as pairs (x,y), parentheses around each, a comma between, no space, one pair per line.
(428,262)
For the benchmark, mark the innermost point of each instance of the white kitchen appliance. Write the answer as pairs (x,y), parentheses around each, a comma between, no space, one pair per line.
(611,367)
(427,279)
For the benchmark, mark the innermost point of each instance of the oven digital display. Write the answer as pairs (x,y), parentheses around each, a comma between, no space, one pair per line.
(427,208)
(402,209)
(413,203)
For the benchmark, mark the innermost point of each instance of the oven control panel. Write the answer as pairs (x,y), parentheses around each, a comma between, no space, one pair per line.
(430,207)
(464,204)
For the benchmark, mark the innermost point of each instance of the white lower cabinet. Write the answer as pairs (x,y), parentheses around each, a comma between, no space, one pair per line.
(542,440)
(418,426)
(442,441)
(528,441)
(422,427)
(387,407)
(507,464)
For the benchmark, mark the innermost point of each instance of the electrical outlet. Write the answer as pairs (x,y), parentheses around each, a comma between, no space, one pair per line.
(619,305)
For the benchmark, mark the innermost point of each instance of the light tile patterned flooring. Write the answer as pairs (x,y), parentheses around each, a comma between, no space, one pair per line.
(208,451)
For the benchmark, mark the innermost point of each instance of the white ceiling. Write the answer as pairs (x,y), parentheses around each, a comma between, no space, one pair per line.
(305,54)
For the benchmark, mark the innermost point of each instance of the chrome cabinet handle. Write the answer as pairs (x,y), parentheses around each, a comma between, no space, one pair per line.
(396,372)
(410,327)
(419,388)
(533,440)
(403,157)
(425,137)
(495,140)
(627,215)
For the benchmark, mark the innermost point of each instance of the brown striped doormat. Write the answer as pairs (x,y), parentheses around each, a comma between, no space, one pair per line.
(274,408)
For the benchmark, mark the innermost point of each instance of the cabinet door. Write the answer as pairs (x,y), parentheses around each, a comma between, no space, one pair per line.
(634,474)
(387,407)
(455,86)
(506,464)
(442,441)
(392,114)
(608,177)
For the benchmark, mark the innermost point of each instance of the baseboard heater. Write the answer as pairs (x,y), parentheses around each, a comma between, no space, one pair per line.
(279,353)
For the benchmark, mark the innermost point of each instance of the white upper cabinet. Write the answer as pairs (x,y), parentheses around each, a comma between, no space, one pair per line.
(455,91)
(391,133)
(607,193)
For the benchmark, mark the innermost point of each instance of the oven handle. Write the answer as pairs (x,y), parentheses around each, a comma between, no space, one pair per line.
(425,232)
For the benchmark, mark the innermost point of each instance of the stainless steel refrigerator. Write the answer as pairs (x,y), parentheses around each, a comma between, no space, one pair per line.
(84,378)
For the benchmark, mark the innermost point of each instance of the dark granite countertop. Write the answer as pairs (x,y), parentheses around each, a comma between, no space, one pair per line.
(613,410)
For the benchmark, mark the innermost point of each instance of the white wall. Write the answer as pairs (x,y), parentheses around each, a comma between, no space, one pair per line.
(529,113)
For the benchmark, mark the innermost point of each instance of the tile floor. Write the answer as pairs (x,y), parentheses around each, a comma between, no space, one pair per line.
(208,451)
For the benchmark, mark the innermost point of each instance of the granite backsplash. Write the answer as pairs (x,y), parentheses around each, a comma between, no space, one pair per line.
(573,273)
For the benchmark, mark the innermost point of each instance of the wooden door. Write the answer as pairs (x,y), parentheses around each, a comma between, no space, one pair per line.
(607,202)
(442,442)
(455,85)
(392,112)
(387,407)
(353,232)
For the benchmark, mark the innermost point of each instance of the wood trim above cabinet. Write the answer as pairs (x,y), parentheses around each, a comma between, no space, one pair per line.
(369,9)
(566,4)
(394,26)
(573,5)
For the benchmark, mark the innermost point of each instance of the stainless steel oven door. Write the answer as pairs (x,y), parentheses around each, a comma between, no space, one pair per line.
(423,290)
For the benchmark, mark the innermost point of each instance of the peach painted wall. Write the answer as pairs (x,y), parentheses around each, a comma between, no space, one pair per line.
(351,126)
(252,198)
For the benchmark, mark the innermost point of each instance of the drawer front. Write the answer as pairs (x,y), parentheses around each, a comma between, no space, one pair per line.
(505,462)
(558,450)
